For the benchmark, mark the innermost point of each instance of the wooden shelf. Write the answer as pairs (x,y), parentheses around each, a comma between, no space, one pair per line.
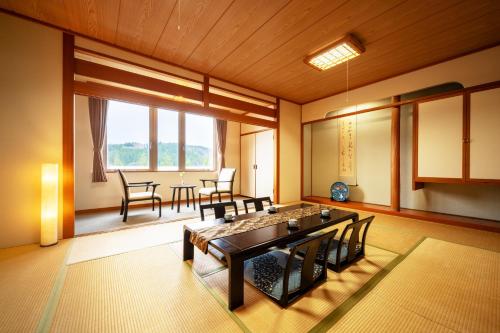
(456,220)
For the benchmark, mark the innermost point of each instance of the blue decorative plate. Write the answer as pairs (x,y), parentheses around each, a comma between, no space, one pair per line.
(339,191)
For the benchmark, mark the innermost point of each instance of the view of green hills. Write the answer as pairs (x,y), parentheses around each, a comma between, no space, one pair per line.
(132,154)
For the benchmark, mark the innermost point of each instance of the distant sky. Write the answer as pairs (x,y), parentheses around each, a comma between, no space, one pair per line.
(130,123)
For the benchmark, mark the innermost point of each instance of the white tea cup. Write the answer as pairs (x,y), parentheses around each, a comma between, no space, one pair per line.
(228,217)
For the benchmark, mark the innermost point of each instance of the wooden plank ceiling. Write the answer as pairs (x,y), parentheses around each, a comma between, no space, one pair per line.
(261,44)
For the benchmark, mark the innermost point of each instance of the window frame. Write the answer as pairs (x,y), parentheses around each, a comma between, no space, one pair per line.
(153,142)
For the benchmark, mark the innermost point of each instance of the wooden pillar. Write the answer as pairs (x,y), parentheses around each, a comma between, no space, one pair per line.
(68,204)
(277,153)
(395,155)
(206,92)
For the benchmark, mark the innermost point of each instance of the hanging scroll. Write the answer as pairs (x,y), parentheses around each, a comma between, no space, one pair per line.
(347,150)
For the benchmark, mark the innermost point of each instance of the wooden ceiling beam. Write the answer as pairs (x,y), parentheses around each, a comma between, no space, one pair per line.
(241,105)
(101,72)
(125,95)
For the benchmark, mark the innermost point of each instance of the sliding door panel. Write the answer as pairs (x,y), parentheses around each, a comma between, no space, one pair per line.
(247,186)
(485,134)
(264,158)
(440,138)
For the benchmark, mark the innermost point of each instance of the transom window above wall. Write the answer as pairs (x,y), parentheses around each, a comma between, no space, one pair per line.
(144,138)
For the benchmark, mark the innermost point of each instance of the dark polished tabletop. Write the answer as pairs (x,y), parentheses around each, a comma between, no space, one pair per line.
(272,235)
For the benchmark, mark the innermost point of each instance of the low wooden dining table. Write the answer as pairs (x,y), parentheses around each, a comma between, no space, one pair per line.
(242,246)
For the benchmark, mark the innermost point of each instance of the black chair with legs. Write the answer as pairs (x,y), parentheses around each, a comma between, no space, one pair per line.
(129,196)
(284,277)
(219,209)
(257,202)
(350,247)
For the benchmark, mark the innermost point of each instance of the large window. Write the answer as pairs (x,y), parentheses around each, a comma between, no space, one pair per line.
(128,136)
(144,138)
(168,140)
(199,142)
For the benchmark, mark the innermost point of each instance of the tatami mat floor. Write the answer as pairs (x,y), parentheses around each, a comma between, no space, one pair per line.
(134,281)
(439,287)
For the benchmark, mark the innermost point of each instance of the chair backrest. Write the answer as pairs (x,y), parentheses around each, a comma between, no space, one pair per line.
(219,209)
(226,177)
(353,240)
(310,247)
(125,184)
(257,202)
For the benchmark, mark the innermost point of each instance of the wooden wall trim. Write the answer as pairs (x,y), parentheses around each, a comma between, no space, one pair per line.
(395,155)
(302,158)
(101,55)
(120,94)
(463,221)
(243,94)
(101,72)
(241,105)
(68,204)
(439,180)
(483,181)
(255,132)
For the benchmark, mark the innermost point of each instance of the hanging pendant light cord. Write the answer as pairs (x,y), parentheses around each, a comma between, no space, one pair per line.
(179,15)
(347,83)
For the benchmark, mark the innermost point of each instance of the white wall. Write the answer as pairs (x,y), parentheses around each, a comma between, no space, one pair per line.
(373,158)
(324,157)
(30,123)
(90,195)
(374,140)
(290,115)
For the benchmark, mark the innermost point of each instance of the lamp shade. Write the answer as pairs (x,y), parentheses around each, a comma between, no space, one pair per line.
(49,209)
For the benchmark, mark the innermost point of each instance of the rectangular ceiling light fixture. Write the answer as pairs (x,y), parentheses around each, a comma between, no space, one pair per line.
(335,53)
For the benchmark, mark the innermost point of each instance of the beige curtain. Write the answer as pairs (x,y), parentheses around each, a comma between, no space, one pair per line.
(221,141)
(98,110)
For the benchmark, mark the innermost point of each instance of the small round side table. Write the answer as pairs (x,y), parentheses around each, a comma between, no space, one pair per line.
(178,188)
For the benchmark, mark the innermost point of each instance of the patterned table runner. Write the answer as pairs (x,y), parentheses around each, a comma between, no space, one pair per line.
(201,237)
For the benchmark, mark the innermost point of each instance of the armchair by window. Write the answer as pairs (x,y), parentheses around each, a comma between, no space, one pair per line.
(129,196)
(223,184)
